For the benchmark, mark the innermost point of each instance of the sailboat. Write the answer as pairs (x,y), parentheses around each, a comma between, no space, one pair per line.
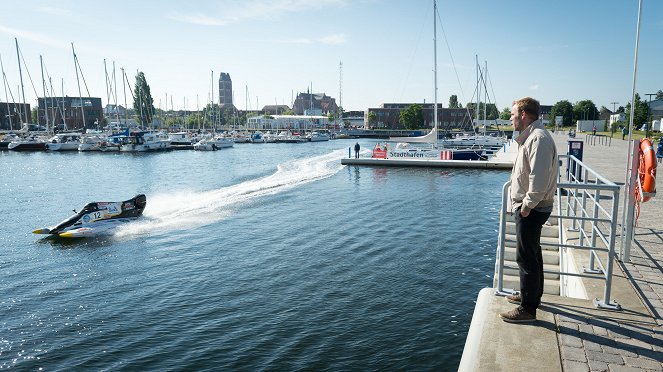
(427,146)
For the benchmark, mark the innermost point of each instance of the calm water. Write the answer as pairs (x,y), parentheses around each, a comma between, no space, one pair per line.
(259,257)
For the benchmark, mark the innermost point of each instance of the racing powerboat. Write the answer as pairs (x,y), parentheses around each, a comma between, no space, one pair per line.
(98,218)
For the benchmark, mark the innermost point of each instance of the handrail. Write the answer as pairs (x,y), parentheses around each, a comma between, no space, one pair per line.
(579,200)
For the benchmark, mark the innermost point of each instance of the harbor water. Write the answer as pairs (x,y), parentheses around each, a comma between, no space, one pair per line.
(258,257)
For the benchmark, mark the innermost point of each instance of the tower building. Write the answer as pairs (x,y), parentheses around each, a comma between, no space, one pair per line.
(225,90)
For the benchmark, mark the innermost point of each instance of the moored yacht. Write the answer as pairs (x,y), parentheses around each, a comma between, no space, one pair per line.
(31,143)
(144,142)
(64,142)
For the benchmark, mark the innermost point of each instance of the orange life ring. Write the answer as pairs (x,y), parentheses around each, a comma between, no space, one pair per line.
(647,169)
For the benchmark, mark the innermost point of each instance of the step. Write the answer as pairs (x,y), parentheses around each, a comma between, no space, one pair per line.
(547,231)
(547,243)
(513,270)
(550,286)
(549,257)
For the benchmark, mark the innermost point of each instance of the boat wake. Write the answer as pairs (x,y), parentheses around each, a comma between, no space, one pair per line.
(191,209)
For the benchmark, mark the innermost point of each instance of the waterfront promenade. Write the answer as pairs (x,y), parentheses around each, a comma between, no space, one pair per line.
(630,340)
(571,334)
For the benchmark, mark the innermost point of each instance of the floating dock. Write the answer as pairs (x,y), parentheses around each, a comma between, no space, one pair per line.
(430,163)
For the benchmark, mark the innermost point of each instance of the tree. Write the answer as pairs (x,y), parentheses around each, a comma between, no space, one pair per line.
(659,94)
(605,112)
(453,102)
(640,114)
(34,115)
(506,113)
(372,118)
(143,102)
(412,117)
(565,110)
(491,110)
(585,110)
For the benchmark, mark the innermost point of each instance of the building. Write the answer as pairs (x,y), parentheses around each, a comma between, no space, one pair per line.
(13,115)
(287,122)
(314,104)
(353,119)
(656,109)
(67,111)
(114,111)
(225,91)
(388,115)
(275,109)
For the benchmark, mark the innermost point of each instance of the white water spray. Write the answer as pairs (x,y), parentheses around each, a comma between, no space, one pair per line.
(191,209)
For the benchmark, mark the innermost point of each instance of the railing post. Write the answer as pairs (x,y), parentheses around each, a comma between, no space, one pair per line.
(607,303)
(500,242)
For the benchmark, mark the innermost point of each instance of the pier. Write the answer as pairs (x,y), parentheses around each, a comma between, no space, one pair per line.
(572,334)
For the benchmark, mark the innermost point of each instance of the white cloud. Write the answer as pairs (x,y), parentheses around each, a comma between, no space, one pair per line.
(235,11)
(336,39)
(533,87)
(32,36)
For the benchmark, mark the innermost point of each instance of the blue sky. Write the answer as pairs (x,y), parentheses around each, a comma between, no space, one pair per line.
(551,50)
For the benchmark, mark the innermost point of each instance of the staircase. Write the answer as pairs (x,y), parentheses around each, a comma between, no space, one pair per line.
(550,253)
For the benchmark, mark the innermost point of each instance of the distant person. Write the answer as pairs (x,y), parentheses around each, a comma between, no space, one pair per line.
(659,150)
(594,130)
(623,133)
(533,185)
(357,148)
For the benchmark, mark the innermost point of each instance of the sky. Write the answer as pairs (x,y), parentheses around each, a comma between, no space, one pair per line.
(551,50)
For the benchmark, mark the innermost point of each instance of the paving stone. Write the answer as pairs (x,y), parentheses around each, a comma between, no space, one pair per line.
(619,349)
(573,353)
(600,331)
(586,328)
(573,366)
(570,340)
(623,368)
(644,363)
(590,345)
(605,357)
(596,366)
(635,344)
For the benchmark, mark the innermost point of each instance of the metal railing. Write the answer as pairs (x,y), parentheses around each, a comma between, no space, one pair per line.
(589,203)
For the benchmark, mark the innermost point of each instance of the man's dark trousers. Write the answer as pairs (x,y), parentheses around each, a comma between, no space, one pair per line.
(529,257)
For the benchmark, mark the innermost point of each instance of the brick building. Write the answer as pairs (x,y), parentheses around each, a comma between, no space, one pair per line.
(67,110)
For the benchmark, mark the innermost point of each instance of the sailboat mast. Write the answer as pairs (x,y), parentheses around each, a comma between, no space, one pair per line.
(4,81)
(435,68)
(80,95)
(43,85)
(20,74)
(117,110)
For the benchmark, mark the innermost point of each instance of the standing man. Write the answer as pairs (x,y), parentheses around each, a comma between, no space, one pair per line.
(533,185)
(357,147)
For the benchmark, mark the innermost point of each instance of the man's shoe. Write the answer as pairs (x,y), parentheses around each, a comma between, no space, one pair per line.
(518,315)
(514,298)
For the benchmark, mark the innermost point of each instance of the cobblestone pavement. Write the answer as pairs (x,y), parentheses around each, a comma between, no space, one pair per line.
(613,343)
